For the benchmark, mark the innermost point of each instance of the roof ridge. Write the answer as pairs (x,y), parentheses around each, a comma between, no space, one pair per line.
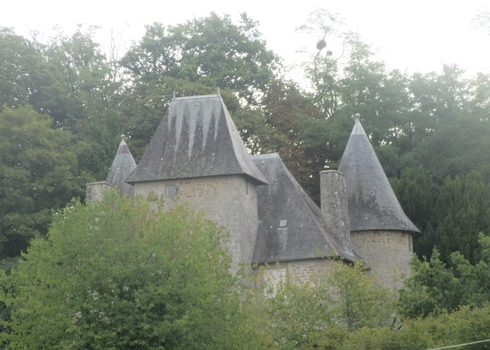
(197,97)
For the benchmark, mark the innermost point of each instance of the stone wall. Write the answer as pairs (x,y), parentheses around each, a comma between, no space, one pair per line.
(230,201)
(94,190)
(300,272)
(387,253)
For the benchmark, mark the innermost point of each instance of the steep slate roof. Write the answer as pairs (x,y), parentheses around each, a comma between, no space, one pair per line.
(290,222)
(196,138)
(122,166)
(371,201)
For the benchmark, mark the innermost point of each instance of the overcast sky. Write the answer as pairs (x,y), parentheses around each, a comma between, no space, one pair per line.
(417,35)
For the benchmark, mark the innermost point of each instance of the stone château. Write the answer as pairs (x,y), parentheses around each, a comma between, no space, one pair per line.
(196,155)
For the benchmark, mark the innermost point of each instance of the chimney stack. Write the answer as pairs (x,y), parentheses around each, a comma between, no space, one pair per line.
(335,214)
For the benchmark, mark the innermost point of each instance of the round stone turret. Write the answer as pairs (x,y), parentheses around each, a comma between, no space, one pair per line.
(381,233)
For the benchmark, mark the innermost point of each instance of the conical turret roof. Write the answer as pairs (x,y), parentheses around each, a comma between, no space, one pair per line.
(196,138)
(372,203)
(122,166)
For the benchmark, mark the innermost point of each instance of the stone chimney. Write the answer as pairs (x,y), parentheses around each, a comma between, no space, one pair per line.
(335,214)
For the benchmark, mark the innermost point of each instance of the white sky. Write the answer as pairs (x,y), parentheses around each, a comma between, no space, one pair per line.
(417,35)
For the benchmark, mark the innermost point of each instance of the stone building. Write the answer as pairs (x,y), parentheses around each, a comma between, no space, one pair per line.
(196,155)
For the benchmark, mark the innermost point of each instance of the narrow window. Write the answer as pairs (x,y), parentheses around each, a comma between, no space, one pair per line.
(410,244)
(171,191)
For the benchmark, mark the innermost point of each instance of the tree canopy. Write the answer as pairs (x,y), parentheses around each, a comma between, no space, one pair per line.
(39,172)
(65,103)
(212,50)
(116,274)
(344,297)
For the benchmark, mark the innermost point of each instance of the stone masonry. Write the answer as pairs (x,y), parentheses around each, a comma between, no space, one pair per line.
(386,253)
(229,201)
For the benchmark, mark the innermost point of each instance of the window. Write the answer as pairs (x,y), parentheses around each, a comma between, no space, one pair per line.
(171,191)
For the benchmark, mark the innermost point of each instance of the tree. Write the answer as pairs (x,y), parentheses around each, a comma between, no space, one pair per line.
(436,286)
(84,97)
(38,173)
(344,298)
(69,79)
(482,19)
(453,112)
(447,330)
(347,78)
(123,274)
(23,71)
(195,58)
(211,50)
(417,194)
(279,127)
(322,67)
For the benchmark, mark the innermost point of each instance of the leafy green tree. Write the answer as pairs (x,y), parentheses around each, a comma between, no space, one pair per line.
(347,78)
(345,298)
(70,79)
(450,215)
(482,19)
(454,113)
(460,214)
(23,72)
(85,97)
(436,286)
(123,274)
(417,194)
(195,58)
(212,50)
(287,113)
(443,330)
(322,68)
(38,173)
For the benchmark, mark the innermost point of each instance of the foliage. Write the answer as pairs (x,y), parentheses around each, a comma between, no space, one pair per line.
(84,97)
(38,172)
(436,121)
(116,274)
(196,58)
(450,215)
(22,71)
(69,79)
(345,298)
(463,326)
(482,19)
(211,50)
(436,286)
(279,128)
